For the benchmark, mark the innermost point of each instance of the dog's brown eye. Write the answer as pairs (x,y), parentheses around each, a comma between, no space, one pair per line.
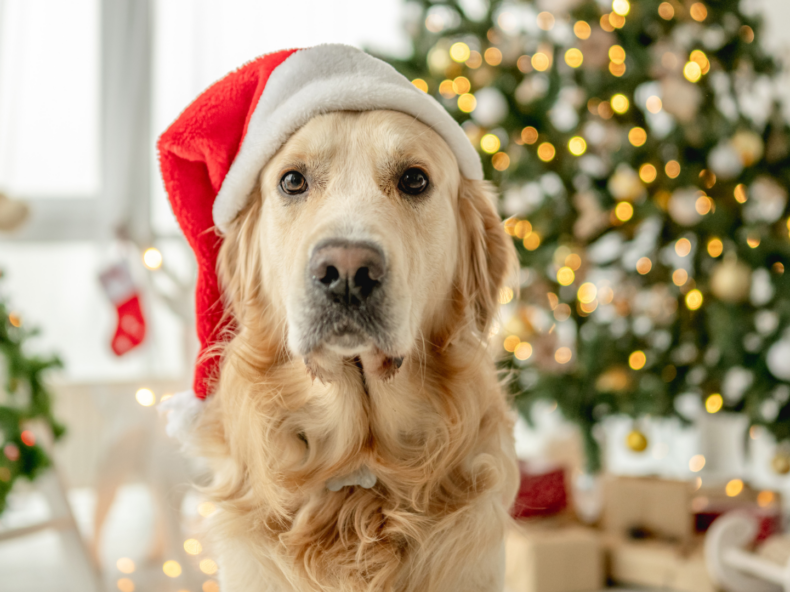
(413,182)
(293,183)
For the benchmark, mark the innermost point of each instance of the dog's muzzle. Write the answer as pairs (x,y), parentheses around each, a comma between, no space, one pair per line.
(347,294)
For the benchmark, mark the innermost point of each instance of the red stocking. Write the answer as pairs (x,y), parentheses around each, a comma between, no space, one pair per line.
(122,292)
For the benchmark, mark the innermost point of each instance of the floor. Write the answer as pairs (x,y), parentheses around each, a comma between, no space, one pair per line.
(36,563)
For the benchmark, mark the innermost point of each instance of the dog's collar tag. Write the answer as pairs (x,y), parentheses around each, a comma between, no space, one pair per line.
(362,477)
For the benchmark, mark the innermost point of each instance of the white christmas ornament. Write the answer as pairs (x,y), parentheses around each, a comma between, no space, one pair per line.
(682,206)
(492,107)
(725,161)
(778,359)
(762,289)
(563,116)
(736,382)
(767,203)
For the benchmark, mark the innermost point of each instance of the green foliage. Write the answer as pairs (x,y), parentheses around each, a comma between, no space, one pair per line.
(726,134)
(24,400)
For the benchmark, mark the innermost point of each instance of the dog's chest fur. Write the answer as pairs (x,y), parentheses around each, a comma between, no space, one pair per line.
(436,437)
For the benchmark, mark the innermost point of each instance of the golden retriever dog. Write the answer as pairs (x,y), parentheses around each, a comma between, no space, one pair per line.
(358,433)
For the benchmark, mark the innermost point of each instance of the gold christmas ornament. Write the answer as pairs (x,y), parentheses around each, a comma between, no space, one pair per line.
(781,463)
(636,441)
(731,280)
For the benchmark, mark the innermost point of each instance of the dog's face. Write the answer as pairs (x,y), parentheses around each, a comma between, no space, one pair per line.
(363,235)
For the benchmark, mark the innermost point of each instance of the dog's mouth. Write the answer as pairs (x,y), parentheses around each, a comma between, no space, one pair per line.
(347,331)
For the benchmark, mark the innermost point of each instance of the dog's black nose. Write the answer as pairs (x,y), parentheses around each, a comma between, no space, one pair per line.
(347,272)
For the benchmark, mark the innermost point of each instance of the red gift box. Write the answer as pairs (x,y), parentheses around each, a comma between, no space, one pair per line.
(541,493)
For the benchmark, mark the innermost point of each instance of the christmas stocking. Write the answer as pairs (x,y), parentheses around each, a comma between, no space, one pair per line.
(120,289)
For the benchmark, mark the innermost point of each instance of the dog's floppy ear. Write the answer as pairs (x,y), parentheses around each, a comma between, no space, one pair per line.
(239,259)
(487,256)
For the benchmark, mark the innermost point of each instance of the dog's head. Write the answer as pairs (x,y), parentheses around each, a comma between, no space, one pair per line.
(362,235)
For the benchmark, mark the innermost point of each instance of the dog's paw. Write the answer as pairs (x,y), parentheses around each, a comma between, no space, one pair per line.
(380,366)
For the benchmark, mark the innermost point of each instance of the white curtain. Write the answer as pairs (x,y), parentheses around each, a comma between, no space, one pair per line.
(49,98)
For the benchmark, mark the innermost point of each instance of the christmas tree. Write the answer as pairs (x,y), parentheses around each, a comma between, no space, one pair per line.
(24,402)
(641,156)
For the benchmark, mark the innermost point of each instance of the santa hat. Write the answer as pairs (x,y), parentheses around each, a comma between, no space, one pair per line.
(212,154)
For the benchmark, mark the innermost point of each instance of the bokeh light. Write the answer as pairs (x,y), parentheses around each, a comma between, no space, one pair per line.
(171,568)
(733,488)
(698,11)
(624,211)
(694,299)
(421,84)
(523,351)
(574,57)
(637,360)
(692,72)
(563,355)
(696,463)
(489,143)
(577,146)
(493,56)
(654,104)
(648,173)
(565,276)
(714,403)
(620,104)
(467,103)
(460,51)
(740,193)
(666,11)
(582,30)
(152,258)
(546,21)
(683,247)
(637,136)
(546,152)
(644,265)
(500,161)
(145,397)
(715,247)
(540,61)
(529,135)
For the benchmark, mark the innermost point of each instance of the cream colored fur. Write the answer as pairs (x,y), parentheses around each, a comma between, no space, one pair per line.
(437,435)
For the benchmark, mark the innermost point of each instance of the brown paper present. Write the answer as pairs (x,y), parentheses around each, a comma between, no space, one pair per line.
(658,508)
(553,556)
(668,566)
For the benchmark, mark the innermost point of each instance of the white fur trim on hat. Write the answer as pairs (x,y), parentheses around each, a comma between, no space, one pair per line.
(182,409)
(324,79)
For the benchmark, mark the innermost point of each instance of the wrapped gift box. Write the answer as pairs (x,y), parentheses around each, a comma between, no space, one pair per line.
(553,556)
(648,507)
(658,564)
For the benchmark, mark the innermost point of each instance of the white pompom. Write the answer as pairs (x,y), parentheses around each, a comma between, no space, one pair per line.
(182,409)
